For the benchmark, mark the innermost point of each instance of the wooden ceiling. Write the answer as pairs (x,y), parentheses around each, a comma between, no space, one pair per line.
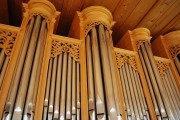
(159,16)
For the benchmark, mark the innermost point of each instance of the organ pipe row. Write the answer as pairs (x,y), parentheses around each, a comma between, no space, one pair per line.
(62,89)
(50,77)
(102,101)
(23,90)
(135,102)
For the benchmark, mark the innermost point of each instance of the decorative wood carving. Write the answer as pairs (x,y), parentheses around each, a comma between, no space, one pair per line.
(162,64)
(59,46)
(93,16)
(174,50)
(121,58)
(162,67)
(45,8)
(140,35)
(7,39)
(173,42)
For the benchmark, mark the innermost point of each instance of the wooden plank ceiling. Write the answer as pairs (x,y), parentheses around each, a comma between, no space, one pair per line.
(159,16)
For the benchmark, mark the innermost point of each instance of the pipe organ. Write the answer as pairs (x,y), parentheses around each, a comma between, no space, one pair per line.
(44,76)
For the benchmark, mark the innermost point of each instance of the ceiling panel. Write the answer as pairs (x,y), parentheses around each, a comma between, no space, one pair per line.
(160,16)
(136,15)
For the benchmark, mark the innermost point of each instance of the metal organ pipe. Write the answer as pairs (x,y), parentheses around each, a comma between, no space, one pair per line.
(74,90)
(112,69)
(110,101)
(58,88)
(90,78)
(100,104)
(22,94)
(63,89)
(177,63)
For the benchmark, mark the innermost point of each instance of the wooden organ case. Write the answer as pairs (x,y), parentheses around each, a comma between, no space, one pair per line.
(44,76)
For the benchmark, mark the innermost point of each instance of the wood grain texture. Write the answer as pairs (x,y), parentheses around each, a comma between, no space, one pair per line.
(160,16)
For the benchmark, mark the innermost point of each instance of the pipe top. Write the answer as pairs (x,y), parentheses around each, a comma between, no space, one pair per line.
(41,7)
(95,15)
(140,34)
(172,38)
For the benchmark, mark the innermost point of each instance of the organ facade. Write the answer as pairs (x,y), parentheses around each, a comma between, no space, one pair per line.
(44,76)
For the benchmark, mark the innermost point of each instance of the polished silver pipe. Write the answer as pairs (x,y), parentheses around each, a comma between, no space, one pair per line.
(154,68)
(21,94)
(177,63)
(154,82)
(58,88)
(173,103)
(140,92)
(34,78)
(3,70)
(52,89)
(127,108)
(112,69)
(124,71)
(74,89)
(69,82)
(90,78)
(16,76)
(129,78)
(174,82)
(110,100)
(100,105)
(136,92)
(46,99)
(63,88)
(78,91)
(150,84)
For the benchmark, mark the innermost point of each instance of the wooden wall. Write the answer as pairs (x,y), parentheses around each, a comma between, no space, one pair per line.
(159,16)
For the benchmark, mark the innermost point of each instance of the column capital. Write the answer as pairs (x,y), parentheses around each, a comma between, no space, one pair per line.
(95,15)
(172,38)
(41,7)
(140,34)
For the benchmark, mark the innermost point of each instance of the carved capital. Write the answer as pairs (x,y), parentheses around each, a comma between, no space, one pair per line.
(172,40)
(95,15)
(7,39)
(121,58)
(140,35)
(41,7)
(60,46)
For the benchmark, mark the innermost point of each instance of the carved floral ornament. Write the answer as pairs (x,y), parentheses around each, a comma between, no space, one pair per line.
(95,15)
(174,51)
(58,47)
(7,39)
(121,58)
(172,40)
(162,67)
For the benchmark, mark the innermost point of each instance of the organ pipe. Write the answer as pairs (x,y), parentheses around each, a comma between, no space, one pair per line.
(177,63)
(135,103)
(61,85)
(68,100)
(110,101)
(100,105)
(58,87)
(90,78)
(63,89)
(112,69)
